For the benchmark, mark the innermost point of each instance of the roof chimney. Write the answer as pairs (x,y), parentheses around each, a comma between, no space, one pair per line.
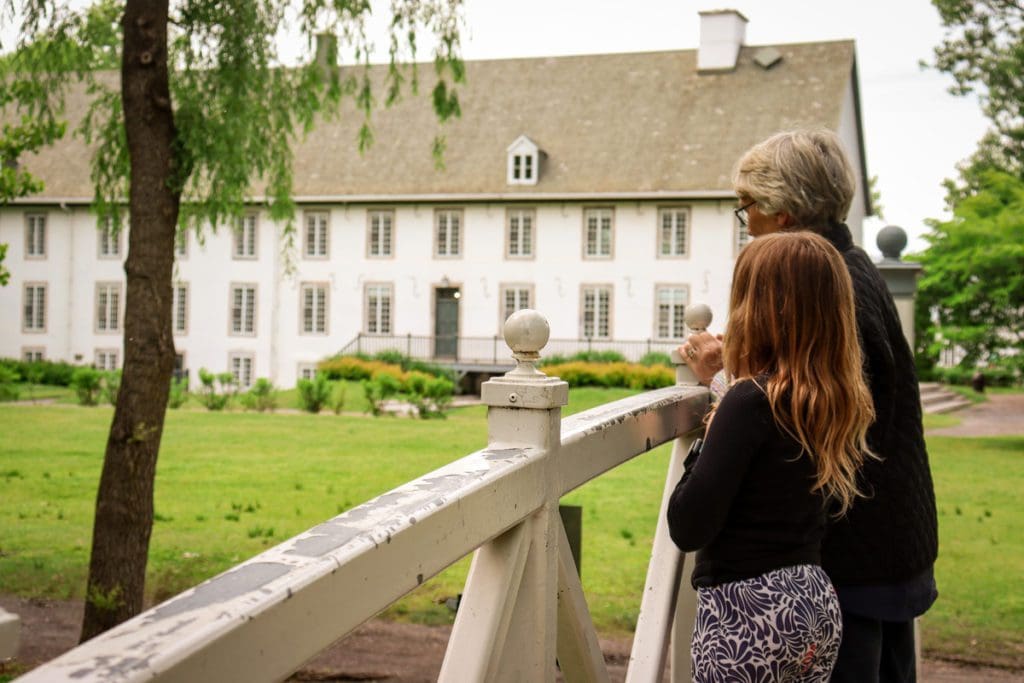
(722,33)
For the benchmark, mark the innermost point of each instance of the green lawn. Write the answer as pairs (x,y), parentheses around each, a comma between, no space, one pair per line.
(231,484)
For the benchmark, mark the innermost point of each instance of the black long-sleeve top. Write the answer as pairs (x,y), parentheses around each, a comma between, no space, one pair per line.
(745,501)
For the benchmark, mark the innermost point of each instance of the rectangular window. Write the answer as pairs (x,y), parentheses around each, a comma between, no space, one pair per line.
(380,231)
(32,354)
(180,369)
(243,309)
(108,306)
(597,241)
(742,235)
(35,235)
(670,303)
(307,371)
(315,235)
(109,244)
(179,309)
(673,225)
(314,308)
(519,233)
(378,309)
(245,237)
(240,365)
(448,232)
(181,244)
(514,297)
(106,359)
(595,316)
(34,310)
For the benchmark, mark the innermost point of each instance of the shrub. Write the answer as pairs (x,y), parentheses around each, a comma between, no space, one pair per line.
(379,389)
(8,384)
(178,393)
(599,357)
(631,375)
(430,396)
(262,396)
(86,383)
(391,357)
(314,393)
(111,385)
(350,368)
(656,358)
(217,389)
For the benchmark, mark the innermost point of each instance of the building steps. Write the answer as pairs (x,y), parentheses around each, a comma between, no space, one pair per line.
(936,398)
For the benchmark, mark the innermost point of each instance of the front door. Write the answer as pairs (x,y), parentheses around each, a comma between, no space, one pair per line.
(446,322)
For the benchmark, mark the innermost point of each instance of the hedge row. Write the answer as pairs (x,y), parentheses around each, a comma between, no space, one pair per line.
(994,377)
(631,375)
(54,373)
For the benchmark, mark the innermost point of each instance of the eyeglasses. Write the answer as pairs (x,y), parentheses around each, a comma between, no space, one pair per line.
(741,213)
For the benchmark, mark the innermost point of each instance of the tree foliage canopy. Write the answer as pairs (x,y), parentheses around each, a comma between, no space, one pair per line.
(983,50)
(972,287)
(237,109)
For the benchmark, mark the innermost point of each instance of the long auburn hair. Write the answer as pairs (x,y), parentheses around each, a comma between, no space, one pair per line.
(792,319)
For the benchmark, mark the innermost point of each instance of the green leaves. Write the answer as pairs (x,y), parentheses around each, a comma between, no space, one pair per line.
(973,279)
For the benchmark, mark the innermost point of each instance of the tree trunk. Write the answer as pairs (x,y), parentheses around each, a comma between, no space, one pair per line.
(124,503)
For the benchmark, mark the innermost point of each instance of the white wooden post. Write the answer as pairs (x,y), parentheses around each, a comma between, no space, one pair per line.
(668,605)
(10,631)
(506,626)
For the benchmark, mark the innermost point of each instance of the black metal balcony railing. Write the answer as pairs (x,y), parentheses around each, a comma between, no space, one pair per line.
(492,350)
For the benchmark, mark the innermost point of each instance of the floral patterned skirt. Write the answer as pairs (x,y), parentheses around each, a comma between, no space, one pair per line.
(784,625)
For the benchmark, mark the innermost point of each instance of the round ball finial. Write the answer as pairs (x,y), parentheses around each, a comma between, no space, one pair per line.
(891,240)
(526,331)
(697,317)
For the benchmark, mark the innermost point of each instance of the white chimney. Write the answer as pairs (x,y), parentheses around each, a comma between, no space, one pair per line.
(722,33)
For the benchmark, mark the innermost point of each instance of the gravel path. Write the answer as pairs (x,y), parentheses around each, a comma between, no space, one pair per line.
(1001,415)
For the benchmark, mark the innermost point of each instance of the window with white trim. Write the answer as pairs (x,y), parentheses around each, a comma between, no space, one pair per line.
(670,304)
(378,309)
(515,297)
(598,233)
(35,235)
(109,244)
(108,306)
(523,162)
(243,309)
(519,233)
(595,313)
(106,359)
(34,307)
(673,231)
(380,231)
(742,235)
(447,232)
(315,235)
(314,308)
(306,371)
(32,354)
(245,237)
(179,309)
(240,366)
(181,244)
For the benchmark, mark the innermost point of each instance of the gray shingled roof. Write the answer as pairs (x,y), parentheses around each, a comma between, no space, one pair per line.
(615,123)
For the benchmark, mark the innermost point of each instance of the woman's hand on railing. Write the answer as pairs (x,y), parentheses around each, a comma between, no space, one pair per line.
(703,354)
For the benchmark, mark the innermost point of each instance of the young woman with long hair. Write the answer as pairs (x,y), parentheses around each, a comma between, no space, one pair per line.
(781,454)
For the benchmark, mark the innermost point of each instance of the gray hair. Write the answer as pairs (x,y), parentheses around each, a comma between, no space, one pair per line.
(804,173)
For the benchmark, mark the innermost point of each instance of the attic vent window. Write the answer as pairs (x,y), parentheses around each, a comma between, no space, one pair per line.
(523,162)
(767,57)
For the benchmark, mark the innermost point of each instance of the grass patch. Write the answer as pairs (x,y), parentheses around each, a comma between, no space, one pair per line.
(230,485)
(940,420)
(979,616)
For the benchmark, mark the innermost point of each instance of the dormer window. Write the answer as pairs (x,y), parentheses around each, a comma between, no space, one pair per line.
(523,162)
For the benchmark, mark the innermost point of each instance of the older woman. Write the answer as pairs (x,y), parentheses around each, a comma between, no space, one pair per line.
(880,555)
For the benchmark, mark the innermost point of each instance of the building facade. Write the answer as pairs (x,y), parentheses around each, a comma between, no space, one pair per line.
(595,189)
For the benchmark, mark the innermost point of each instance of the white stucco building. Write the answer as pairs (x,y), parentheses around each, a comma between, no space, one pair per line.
(594,188)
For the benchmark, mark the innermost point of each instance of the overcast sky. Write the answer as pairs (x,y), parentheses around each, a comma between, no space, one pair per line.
(915,132)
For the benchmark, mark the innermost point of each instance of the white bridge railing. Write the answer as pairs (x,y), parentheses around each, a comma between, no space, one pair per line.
(523,605)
